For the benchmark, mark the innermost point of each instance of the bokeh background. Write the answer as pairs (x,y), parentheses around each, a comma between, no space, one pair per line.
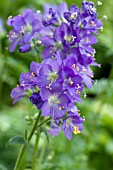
(90,150)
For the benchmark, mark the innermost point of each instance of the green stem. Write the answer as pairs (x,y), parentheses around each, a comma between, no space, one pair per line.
(41,156)
(23,148)
(36,145)
(43,122)
(0,46)
(34,127)
(23,165)
(35,152)
(111,73)
(38,56)
(20,157)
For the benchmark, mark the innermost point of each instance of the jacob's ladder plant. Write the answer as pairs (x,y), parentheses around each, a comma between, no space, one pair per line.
(55,83)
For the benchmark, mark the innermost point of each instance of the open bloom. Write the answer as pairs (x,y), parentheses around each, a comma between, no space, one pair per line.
(55,102)
(73,15)
(73,123)
(49,74)
(24,28)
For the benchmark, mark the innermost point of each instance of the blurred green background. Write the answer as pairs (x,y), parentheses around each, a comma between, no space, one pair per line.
(90,150)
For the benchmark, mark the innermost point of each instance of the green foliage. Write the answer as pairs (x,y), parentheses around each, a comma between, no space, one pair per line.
(18,140)
(91,150)
(45,132)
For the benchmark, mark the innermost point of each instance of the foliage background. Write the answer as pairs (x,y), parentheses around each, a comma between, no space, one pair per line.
(91,150)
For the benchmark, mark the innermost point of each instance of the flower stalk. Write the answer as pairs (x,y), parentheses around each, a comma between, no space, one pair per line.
(23,148)
(35,151)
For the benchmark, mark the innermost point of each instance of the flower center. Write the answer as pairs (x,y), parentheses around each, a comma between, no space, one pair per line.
(69,122)
(70,81)
(28,28)
(13,34)
(52,76)
(53,100)
(49,17)
(69,38)
(59,45)
(73,15)
(93,23)
(93,9)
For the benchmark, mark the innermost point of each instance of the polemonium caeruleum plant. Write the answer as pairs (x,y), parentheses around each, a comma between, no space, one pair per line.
(55,84)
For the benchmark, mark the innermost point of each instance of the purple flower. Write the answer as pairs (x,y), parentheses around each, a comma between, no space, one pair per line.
(73,123)
(63,37)
(54,130)
(83,71)
(53,14)
(35,98)
(49,74)
(89,9)
(30,79)
(85,40)
(61,9)
(24,28)
(73,15)
(55,102)
(71,80)
(92,25)
(50,19)
(27,81)
(17,93)
(25,48)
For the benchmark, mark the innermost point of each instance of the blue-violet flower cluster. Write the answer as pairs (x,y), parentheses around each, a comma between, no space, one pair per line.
(67,35)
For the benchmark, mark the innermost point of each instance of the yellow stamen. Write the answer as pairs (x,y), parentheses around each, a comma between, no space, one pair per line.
(70,81)
(32,75)
(93,24)
(77,69)
(49,16)
(60,108)
(53,79)
(58,102)
(87,40)
(76,130)
(68,38)
(73,65)
(77,92)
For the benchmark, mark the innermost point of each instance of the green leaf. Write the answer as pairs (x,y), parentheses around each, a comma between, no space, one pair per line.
(17,140)
(45,132)
(2,167)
